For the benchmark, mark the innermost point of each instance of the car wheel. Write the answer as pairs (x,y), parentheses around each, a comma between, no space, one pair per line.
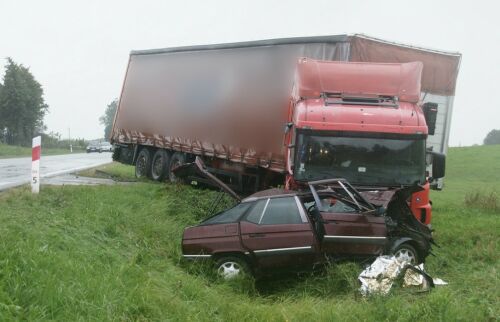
(143,164)
(159,165)
(177,159)
(408,253)
(231,267)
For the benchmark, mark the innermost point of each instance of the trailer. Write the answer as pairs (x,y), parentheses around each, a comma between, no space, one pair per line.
(235,105)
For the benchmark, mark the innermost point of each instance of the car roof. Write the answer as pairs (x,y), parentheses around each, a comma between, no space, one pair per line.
(271,193)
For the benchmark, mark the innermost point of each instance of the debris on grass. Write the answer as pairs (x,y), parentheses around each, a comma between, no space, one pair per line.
(379,277)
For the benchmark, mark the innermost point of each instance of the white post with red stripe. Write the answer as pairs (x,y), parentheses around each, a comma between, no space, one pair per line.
(35,164)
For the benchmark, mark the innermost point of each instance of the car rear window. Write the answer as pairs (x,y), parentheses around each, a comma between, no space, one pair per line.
(228,216)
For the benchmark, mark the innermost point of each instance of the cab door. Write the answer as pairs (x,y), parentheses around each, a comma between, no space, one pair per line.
(277,232)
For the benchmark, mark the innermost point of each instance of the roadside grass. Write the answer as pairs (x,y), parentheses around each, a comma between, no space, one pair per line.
(115,171)
(15,151)
(113,253)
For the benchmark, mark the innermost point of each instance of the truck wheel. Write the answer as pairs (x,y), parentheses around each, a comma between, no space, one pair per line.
(177,159)
(229,267)
(143,164)
(159,166)
(116,154)
(406,252)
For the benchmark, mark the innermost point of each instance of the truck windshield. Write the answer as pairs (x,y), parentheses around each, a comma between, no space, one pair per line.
(361,160)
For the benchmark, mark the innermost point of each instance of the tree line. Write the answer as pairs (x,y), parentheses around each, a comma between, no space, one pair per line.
(22,106)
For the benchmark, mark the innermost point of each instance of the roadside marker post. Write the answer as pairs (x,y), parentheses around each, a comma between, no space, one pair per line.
(35,164)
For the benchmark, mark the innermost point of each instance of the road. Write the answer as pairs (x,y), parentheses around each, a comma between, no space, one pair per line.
(17,171)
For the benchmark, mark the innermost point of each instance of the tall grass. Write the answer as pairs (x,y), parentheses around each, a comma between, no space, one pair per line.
(486,201)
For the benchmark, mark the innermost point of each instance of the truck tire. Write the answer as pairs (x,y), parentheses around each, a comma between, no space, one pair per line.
(143,164)
(177,159)
(159,165)
(116,154)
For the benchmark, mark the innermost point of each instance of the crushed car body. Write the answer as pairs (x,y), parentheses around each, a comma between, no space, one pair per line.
(279,228)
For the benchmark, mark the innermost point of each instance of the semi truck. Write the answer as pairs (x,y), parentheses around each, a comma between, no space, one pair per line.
(287,111)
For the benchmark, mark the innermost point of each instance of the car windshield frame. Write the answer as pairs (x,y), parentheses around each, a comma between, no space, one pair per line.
(385,172)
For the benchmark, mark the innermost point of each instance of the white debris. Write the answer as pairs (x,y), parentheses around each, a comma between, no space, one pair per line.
(380,275)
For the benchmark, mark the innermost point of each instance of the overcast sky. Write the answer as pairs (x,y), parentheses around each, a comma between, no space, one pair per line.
(78,50)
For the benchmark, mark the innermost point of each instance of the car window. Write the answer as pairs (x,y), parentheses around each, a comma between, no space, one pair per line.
(333,205)
(255,214)
(228,216)
(281,211)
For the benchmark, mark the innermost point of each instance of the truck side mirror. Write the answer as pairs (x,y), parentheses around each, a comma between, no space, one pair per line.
(430,113)
(438,165)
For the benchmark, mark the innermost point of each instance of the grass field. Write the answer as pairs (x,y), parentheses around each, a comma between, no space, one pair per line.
(15,151)
(112,253)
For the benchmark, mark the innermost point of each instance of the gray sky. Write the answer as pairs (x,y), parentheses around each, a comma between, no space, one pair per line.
(78,50)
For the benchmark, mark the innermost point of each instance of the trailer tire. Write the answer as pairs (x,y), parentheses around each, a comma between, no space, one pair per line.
(177,159)
(159,165)
(143,164)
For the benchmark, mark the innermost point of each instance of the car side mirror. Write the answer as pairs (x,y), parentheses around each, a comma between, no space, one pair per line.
(438,165)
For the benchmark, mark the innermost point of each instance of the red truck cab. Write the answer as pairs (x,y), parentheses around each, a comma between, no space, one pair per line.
(362,122)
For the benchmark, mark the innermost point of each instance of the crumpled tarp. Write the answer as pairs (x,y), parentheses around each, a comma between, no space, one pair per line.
(381,274)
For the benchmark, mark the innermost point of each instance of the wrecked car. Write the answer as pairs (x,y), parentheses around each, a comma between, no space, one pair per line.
(279,228)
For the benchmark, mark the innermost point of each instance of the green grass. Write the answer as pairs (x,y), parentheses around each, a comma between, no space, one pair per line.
(15,151)
(115,171)
(113,253)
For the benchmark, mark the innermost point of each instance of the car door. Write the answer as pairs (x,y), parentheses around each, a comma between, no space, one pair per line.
(278,233)
(349,231)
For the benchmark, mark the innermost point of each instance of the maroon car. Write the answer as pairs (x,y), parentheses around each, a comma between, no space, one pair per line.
(279,228)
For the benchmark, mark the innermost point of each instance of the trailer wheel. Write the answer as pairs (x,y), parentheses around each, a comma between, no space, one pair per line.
(143,164)
(177,159)
(159,165)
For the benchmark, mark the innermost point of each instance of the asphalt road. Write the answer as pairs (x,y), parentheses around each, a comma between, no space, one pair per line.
(17,171)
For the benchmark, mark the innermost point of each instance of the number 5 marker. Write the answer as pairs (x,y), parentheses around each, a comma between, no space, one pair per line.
(35,164)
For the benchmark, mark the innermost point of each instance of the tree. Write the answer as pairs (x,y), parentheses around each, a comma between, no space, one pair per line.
(492,138)
(108,117)
(22,107)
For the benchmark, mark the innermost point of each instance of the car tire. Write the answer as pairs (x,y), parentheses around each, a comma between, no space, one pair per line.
(408,253)
(143,164)
(177,159)
(159,165)
(229,267)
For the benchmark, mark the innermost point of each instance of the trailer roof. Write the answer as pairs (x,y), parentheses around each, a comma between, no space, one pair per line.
(287,41)
(246,44)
